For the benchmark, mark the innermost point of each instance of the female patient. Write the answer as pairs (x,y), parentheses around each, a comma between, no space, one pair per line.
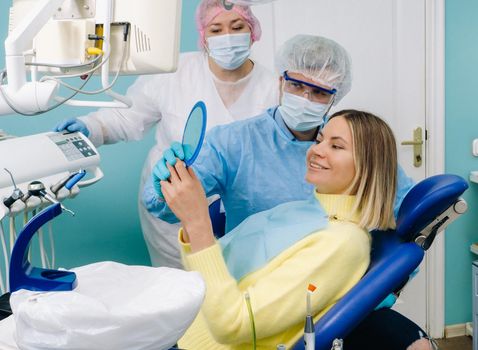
(263,267)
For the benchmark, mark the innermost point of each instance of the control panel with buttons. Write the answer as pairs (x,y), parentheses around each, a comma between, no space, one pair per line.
(73,146)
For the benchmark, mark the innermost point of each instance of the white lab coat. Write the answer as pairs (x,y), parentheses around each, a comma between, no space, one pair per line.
(165,100)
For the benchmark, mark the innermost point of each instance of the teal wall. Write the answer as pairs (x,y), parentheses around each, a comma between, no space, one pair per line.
(106,225)
(461,129)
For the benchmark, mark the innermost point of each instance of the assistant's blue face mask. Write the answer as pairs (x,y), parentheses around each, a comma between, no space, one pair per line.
(229,51)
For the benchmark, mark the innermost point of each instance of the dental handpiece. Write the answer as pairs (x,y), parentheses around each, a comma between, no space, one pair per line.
(37,189)
(68,182)
(309,333)
(56,187)
(16,194)
(75,179)
(309,328)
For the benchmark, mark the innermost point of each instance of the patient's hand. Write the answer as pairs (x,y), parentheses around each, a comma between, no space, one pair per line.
(186,198)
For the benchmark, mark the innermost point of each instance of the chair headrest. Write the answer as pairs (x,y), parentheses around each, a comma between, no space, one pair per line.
(426,200)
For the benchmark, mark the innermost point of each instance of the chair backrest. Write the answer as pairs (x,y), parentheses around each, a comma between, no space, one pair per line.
(425,201)
(395,255)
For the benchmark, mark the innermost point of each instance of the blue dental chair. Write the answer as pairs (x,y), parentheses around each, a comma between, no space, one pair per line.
(428,208)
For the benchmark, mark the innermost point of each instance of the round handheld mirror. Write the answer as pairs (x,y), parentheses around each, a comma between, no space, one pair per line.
(194,131)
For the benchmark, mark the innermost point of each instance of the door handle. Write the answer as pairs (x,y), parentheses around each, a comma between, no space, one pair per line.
(417,144)
(412,143)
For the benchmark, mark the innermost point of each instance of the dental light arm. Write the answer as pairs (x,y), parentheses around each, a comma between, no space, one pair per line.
(120,101)
(63,39)
(35,97)
(31,96)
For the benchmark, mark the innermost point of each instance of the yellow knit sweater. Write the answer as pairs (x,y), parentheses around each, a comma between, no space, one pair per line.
(333,259)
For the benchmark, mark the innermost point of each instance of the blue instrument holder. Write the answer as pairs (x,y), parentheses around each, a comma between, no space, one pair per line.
(25,276)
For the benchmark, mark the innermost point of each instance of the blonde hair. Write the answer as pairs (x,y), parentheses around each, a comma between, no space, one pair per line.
(375,181)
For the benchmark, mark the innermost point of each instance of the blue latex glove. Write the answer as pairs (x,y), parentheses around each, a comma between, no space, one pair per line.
(390,300)
(387,302)
(160,170)
(72,125)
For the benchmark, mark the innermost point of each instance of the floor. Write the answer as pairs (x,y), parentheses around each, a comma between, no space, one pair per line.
(456,343)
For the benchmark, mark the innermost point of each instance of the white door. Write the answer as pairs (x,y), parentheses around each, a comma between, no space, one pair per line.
(386,40)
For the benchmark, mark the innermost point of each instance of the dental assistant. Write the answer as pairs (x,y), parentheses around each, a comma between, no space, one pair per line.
(232,86)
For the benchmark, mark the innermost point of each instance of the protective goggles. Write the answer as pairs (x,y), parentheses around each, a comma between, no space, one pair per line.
(315,93)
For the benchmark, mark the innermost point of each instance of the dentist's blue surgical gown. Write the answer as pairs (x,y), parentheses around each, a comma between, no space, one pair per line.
(254,165)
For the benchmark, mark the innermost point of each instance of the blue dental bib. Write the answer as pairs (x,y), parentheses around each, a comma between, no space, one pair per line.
(264,235)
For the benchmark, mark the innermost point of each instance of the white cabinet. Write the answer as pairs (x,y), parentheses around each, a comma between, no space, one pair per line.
(475,304)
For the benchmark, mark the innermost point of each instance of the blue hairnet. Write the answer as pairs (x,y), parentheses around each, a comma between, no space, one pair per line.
(319,59)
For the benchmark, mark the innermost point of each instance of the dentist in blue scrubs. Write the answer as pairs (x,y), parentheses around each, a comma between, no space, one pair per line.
(243,161)
(254,164)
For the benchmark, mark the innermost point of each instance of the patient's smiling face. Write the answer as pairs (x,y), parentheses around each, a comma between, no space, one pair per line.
(330,162)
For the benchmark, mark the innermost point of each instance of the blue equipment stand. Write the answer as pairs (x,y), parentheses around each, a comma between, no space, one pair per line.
(25,276)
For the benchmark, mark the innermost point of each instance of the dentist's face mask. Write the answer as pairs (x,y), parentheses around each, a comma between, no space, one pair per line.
(300,113)
(229,51)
